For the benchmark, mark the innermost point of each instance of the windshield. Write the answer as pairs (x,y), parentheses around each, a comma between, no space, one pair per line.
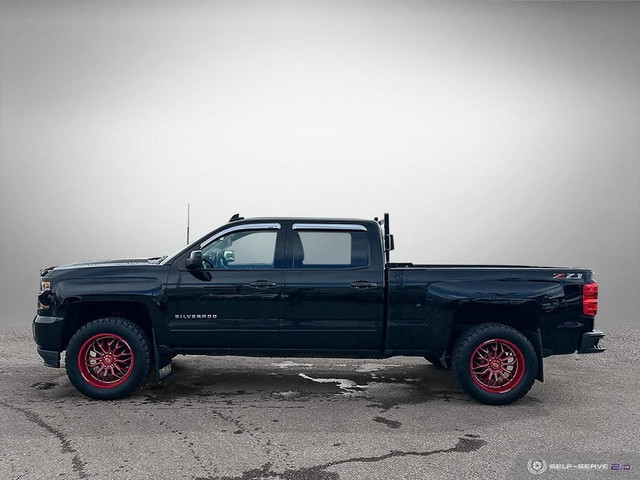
(172,257)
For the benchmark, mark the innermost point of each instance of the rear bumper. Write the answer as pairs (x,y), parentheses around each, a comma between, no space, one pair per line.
(589,342)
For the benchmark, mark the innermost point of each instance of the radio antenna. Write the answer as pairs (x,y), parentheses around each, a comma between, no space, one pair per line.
(188,219)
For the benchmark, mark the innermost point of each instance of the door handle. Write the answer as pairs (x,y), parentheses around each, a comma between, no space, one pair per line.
(263,284)
(362,285)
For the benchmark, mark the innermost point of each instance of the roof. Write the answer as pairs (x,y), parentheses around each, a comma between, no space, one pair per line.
(303,219)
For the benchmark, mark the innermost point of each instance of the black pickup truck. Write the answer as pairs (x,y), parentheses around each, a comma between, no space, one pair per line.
(313,288)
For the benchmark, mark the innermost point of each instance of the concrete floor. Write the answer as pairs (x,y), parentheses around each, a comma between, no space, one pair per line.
(318,419)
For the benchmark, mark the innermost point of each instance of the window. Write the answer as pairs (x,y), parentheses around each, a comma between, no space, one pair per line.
(325,249)
(241,250)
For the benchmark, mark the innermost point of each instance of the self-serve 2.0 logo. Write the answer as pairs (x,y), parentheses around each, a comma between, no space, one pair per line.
(536,466)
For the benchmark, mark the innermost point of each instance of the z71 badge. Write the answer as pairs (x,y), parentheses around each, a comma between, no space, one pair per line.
(567,276)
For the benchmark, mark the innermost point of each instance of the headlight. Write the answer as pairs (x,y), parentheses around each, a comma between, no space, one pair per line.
(45,297)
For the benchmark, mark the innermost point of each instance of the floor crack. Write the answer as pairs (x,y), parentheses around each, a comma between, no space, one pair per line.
(469,443)
(77,463)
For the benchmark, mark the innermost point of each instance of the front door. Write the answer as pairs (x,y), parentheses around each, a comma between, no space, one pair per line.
(233,301)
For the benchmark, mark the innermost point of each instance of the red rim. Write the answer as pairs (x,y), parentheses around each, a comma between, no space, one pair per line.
(497,365)
(105,360)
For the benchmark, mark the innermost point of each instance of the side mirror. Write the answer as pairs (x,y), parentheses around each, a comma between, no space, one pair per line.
(229,256)
(194,262)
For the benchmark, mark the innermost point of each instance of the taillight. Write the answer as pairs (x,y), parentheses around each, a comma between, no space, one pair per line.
(590,299)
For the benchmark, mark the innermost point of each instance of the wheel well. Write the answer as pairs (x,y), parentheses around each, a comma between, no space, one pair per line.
(523,319)
(81,313)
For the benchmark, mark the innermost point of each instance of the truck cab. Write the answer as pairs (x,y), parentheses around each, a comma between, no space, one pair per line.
(280,285)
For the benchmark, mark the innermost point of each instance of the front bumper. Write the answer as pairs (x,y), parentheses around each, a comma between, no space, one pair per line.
(47,333)
(589,342)
(51,358)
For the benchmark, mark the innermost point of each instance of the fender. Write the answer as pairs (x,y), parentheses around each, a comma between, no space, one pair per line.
(544,296)
(540,296)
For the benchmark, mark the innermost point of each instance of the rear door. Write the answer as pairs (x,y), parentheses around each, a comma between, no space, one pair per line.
(332,290)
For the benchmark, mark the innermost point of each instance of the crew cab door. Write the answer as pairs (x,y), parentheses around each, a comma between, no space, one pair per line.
(333,290)
(233,301)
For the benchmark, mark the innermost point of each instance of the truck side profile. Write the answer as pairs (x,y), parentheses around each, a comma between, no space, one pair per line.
(310,287)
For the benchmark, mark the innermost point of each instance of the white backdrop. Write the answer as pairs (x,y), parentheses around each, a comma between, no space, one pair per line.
(492,132)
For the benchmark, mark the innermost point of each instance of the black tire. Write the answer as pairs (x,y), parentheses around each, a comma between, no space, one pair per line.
(435,361)
(108,358)
(511,364)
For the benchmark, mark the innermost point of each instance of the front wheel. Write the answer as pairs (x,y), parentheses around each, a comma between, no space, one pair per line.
(494,364)
(108,358)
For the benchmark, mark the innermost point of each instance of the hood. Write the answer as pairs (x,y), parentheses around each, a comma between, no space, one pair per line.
(102,263)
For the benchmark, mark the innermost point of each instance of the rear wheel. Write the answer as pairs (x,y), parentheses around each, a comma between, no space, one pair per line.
(494,364)
(108,358)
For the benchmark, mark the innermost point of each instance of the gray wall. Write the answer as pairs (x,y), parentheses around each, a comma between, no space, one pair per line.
(492,132)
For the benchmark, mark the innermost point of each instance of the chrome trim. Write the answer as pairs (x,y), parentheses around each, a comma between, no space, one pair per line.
(328,226)
(246,226)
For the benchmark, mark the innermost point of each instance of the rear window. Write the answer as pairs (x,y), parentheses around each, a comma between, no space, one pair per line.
(322,249)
